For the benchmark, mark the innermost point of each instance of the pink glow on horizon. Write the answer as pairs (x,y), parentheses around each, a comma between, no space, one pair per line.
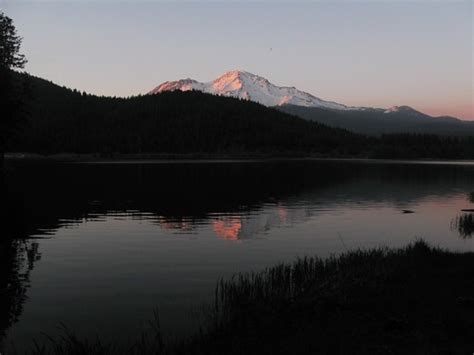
(463,112)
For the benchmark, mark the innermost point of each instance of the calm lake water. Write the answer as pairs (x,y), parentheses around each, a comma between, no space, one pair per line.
(110,242)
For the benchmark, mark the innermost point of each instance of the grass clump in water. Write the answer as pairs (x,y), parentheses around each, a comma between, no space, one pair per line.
(465,225)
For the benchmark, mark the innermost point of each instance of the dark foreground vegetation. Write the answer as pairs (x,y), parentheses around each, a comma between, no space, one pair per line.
(60,120)
(415,300)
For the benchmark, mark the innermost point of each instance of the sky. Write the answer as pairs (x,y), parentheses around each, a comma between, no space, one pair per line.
(361,53)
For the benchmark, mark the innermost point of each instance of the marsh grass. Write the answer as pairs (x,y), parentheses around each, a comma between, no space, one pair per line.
(415,300)
(465,225)
(149,342)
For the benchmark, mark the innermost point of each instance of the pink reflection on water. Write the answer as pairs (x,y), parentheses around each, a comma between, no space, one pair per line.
(228,228)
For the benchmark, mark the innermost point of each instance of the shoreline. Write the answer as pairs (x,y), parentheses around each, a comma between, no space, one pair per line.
(376,300)
(154,158)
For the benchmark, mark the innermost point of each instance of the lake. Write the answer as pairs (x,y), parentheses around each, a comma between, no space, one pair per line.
(108,243)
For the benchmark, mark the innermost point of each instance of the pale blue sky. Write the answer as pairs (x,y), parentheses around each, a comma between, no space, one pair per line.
(383,53)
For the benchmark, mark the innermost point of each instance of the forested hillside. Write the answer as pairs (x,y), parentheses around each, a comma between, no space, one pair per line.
(63,120)
(60,120)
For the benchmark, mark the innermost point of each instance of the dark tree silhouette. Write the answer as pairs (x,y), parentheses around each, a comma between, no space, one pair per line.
(10,92)
(13,281)
(10,43)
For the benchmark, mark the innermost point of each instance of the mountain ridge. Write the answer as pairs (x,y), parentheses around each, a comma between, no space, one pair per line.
(376,122)
(363,120)
(247,86)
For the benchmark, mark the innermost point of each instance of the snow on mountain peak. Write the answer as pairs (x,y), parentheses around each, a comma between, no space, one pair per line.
(404,109)
(248,86)
(229,82)
(183,85)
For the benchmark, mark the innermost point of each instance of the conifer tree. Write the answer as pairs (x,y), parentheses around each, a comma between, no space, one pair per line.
(10,94)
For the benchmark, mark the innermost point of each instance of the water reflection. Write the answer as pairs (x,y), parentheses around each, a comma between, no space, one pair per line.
(161,234)
(17,258)
(228,228)
(240,200)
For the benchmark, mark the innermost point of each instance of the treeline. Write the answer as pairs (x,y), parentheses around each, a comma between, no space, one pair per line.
(61,120)
(413,146)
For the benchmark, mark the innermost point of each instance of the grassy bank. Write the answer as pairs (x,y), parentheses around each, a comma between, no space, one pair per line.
(415,300)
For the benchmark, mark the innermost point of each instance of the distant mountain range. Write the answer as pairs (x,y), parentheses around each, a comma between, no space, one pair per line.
(366,120)
(402,119)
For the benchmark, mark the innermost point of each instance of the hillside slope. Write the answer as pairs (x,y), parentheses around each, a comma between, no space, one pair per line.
(64,120)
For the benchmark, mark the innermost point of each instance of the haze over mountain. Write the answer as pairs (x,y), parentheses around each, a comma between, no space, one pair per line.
(367,120)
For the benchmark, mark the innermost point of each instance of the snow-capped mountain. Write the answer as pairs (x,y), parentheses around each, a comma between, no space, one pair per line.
(248,86)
